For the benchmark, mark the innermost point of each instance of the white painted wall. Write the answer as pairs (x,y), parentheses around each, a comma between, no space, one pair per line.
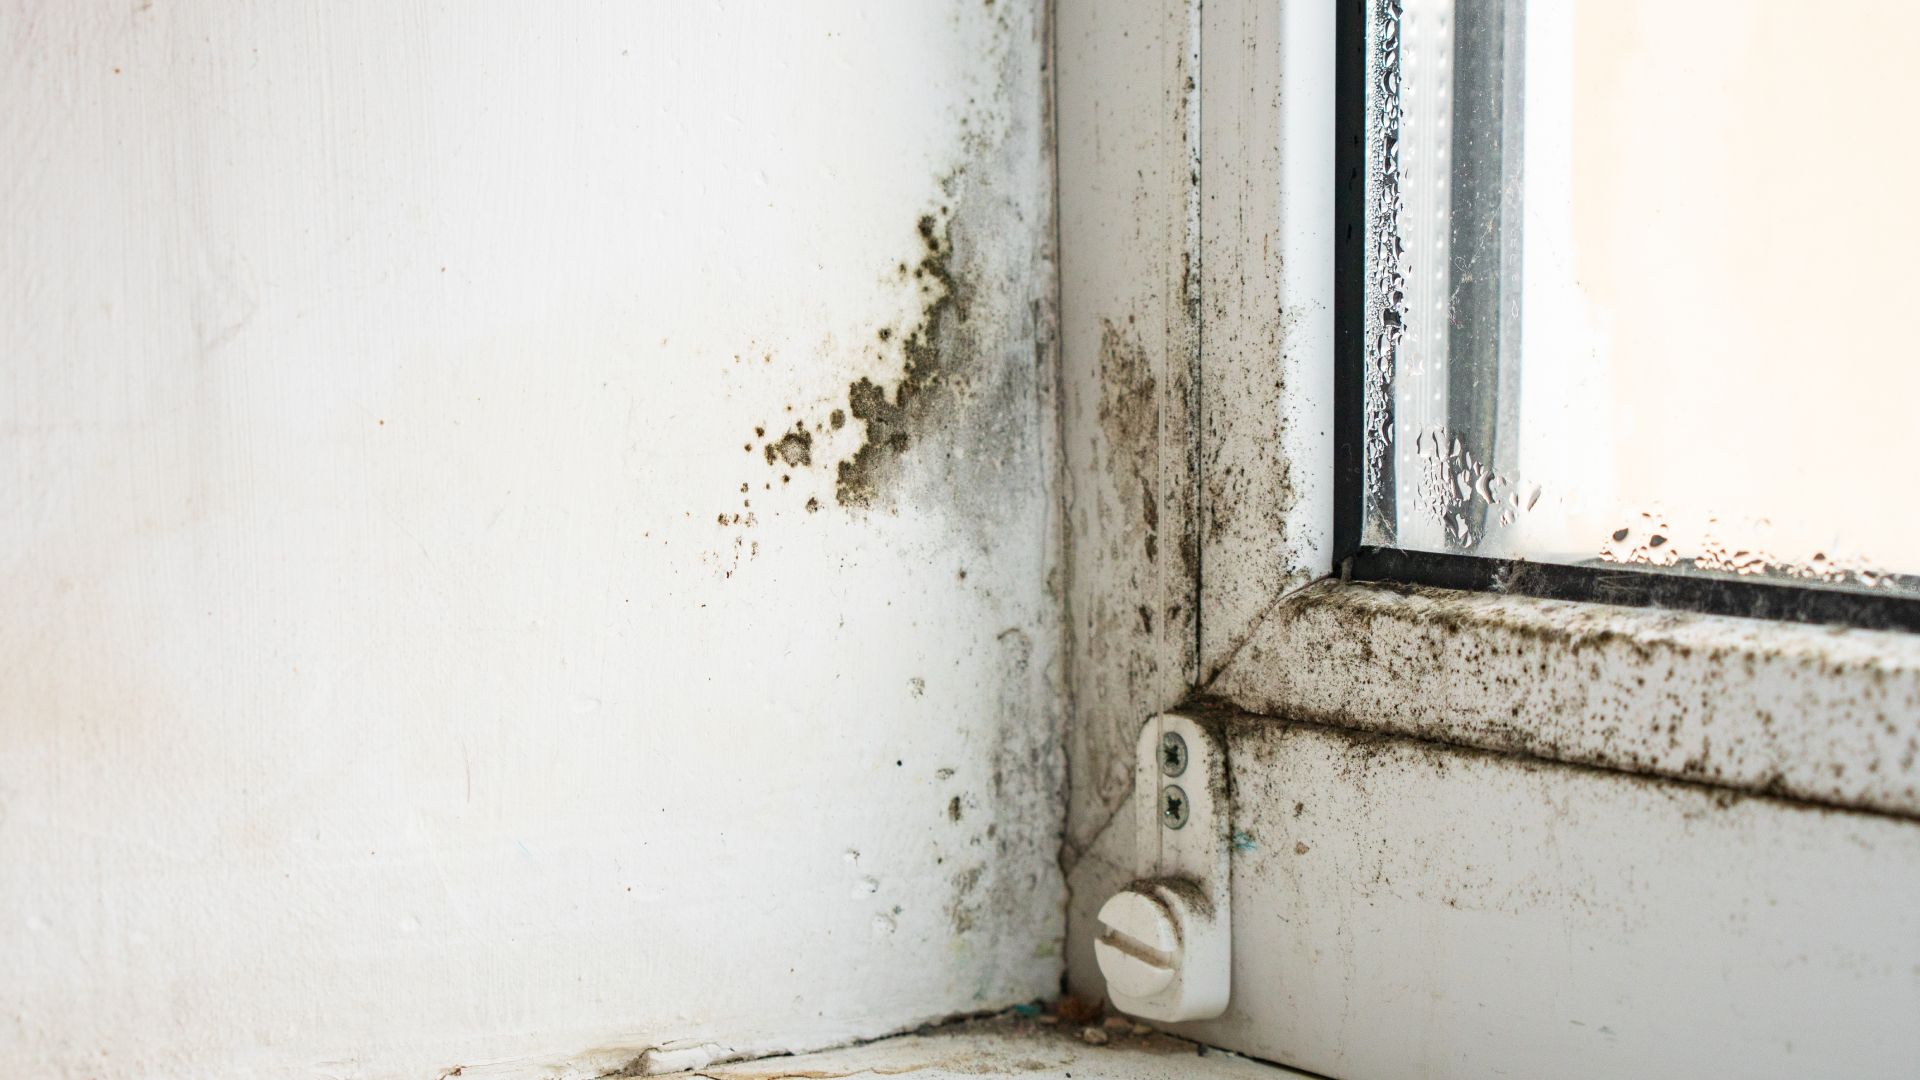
(387,685)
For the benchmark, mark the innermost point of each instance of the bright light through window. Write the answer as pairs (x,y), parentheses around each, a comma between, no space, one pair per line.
(1639,276)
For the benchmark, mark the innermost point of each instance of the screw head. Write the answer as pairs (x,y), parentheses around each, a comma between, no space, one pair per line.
(1173,754)
(1139,945)
(1173,806)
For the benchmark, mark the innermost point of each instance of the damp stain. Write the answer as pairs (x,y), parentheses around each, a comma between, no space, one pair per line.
(963,910)
(1129,418)
(896,420)
(795,447)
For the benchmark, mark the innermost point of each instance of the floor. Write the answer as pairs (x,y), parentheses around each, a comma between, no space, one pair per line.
(1039,1046)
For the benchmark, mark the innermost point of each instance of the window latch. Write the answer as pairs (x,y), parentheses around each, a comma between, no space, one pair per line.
(1165,943)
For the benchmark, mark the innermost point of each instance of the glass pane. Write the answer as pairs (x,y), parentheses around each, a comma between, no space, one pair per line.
(1628,278)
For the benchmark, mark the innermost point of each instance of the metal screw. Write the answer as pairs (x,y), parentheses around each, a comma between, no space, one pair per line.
(1173,806)
(1173,754)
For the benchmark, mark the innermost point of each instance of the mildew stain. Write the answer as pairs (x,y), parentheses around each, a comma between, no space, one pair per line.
(795,447)
(894,421)
(1129,418)
(962,911)
(929,400)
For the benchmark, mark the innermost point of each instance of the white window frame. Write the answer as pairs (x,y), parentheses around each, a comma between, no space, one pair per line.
(1476,833)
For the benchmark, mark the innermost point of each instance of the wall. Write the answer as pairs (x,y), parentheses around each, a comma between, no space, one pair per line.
(528,533)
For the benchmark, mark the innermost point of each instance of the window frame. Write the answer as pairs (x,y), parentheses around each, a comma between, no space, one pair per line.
(1791,698)
(1200,165)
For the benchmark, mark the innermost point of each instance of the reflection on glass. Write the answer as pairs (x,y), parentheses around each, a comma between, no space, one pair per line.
(1635,273)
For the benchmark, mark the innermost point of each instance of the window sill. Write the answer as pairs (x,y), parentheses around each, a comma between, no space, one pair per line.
(1823,714)
(1012,1046)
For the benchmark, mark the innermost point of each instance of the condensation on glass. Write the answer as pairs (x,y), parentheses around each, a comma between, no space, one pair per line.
(1635,272)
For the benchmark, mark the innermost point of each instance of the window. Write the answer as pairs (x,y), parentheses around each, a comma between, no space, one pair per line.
(1620,305)
(1511,797)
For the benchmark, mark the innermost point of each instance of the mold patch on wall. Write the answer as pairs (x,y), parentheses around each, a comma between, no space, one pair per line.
(961,411)
(894,419)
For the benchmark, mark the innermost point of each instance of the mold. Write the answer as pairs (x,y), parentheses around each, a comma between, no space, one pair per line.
(1692,698)
(950,470)
(896,420)
(1130,421)
(795,447)
(962,911)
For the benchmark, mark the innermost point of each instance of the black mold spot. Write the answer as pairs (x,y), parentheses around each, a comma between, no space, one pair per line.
(795,447)
(893,422)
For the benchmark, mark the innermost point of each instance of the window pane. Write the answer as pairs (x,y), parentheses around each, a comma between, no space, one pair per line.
(1636,271)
